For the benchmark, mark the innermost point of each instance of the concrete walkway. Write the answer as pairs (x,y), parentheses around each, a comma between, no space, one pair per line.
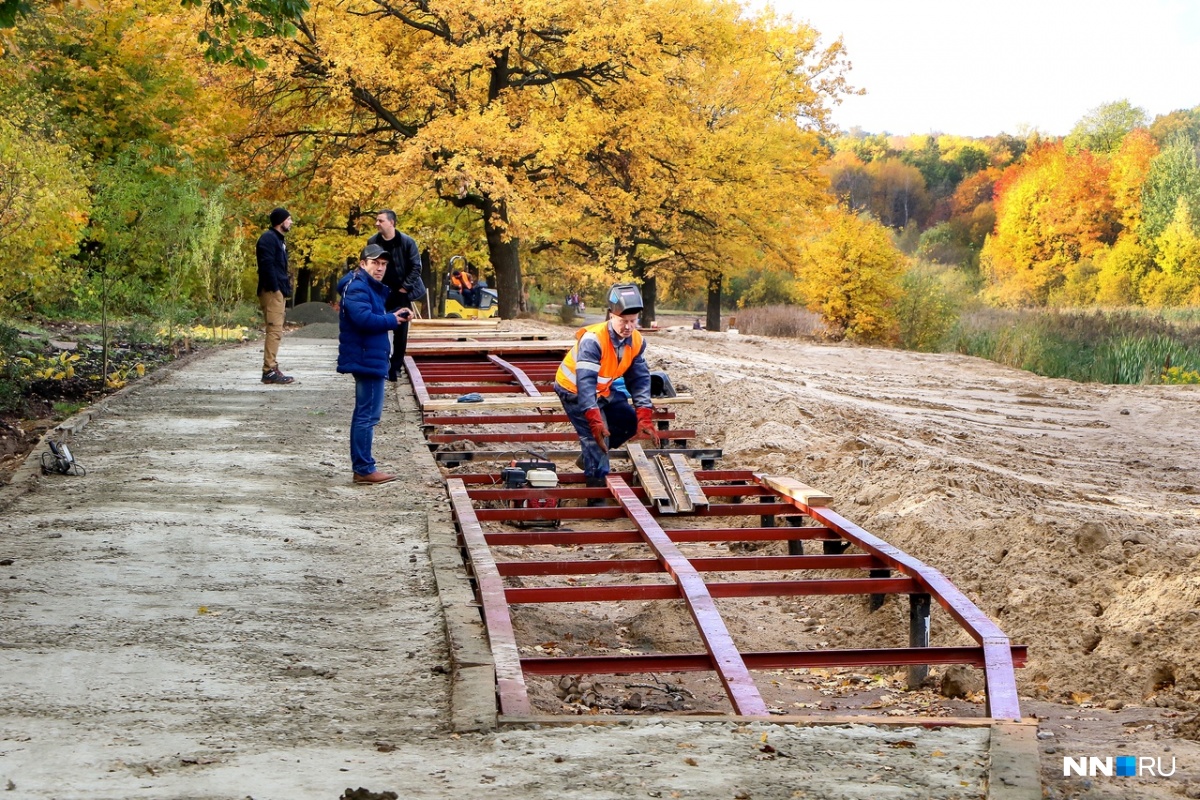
(215,611)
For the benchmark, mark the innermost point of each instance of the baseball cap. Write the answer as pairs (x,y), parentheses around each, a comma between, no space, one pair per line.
(373,251)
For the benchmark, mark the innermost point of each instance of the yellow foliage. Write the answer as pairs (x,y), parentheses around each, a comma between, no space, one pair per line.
(204,333)
(850,275)
(664,137)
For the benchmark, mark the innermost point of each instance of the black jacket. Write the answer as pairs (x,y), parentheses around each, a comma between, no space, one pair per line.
(272,257)
(403,269)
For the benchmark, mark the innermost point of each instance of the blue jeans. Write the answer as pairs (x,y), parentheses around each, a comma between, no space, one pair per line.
(621,420)
(368,409)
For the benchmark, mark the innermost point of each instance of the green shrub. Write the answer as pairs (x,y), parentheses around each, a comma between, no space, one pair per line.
(12,395)
(927,310)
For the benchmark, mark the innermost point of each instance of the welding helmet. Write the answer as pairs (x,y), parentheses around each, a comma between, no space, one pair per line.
(624,298)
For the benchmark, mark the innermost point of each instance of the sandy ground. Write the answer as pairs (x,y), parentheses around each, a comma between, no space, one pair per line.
(214,611)
(1069,513)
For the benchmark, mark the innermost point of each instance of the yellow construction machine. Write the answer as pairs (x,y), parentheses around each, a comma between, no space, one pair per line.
(485,304)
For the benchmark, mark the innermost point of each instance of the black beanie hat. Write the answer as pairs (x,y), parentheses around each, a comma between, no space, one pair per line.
(278,216)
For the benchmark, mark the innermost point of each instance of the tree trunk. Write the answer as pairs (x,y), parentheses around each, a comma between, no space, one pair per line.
(650,301)
(712,320)
(304,278)
(504,257)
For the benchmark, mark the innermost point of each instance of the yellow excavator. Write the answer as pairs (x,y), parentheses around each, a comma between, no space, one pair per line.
(484,305)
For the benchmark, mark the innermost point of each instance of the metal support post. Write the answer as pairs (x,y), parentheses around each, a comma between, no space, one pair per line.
(876,600)
(918,636)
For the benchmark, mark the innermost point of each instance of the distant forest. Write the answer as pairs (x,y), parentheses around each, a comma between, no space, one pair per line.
(1106,216)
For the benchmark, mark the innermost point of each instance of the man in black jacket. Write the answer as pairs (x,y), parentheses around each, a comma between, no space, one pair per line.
(274,284)
(403,278)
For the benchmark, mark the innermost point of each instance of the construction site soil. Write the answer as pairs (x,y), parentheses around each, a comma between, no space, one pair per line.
(215,611)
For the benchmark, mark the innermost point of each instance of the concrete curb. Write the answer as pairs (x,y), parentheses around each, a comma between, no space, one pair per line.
(473,705)
(29,474)
(1013,771)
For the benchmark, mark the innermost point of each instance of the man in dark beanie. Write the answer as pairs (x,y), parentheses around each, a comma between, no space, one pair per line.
(274,284)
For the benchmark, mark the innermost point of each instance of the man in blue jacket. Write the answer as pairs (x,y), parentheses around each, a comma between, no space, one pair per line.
(274,285)
(363,352)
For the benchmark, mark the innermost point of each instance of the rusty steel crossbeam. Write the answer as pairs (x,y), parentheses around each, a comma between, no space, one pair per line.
(513,419)
(416,381)
(805,659)
(730,668)
(438,389)
(524,436)
(510,680)
(726,589)
(564,537)
(714,564)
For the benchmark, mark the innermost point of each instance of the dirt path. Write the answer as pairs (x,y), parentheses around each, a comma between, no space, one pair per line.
(214,611)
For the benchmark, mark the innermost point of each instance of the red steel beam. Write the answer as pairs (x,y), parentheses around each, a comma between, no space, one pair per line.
(612,512)
(670,591)
(526,436)
(560,537)
(805,659)
(509,419)
(510,680)
(716,564)
(730,668)
(418,382)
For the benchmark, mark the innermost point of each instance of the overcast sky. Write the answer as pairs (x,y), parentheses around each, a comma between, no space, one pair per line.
(983,68)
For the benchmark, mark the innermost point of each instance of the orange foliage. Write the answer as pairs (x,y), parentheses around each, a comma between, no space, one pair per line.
(1052,209)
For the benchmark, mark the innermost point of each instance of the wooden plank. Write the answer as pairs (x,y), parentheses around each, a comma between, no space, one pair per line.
(800,492)
(648,475)
(679,495)
(443,335)
(479,348)
(522,401)
(691,484)
(455,323)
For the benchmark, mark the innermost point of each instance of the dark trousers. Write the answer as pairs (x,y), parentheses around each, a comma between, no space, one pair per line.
(621,420)
(400,335)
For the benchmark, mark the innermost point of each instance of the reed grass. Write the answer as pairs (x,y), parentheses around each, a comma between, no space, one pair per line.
(1098,346)
(779,320)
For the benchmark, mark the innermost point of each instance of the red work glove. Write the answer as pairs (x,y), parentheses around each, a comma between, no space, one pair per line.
(599,429)
(645,425)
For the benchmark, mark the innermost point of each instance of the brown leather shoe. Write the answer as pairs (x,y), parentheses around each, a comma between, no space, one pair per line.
(374,477)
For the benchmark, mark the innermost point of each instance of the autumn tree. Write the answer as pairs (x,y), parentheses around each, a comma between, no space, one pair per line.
(850,276)
(44,205)
(1183,122)
(494,108)
(1104,127)
(898,193)
(709,172)
(1173,173)
(1052,209)
(122,83)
